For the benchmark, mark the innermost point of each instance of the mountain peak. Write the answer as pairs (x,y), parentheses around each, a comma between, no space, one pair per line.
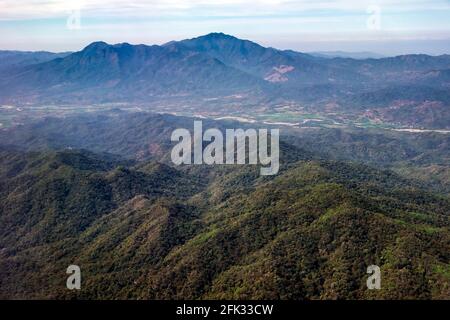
(215,36)
(96,45)
(218,35)
(122,45)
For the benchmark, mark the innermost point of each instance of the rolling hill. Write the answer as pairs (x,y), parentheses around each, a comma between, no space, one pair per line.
(151,231)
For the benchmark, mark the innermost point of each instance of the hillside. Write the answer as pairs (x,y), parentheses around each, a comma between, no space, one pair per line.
(152,231)
(145,136)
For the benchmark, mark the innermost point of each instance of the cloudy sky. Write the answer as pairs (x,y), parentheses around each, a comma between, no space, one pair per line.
(383,26)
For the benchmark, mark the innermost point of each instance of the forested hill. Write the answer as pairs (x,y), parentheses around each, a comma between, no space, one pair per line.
(148,230)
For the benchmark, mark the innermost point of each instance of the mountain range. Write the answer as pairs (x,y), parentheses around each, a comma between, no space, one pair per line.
(219,65)
(344,54)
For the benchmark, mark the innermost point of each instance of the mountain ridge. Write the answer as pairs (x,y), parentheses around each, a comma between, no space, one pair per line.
(308,233)
(219,66)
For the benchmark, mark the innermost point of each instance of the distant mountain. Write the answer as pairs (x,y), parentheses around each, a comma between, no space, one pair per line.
(269,64)
(219,65)
(13,59)
(100,72)
(404,69)
(344,54)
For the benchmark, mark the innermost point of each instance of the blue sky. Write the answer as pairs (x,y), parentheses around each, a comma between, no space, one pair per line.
(383,26)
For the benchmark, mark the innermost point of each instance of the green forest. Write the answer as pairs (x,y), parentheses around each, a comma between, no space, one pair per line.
(141,228)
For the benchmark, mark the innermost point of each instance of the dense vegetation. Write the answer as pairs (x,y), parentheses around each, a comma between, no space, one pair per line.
(145,136)
(140,228)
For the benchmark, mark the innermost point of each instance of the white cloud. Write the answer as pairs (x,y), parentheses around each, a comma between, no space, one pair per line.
(41,9)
